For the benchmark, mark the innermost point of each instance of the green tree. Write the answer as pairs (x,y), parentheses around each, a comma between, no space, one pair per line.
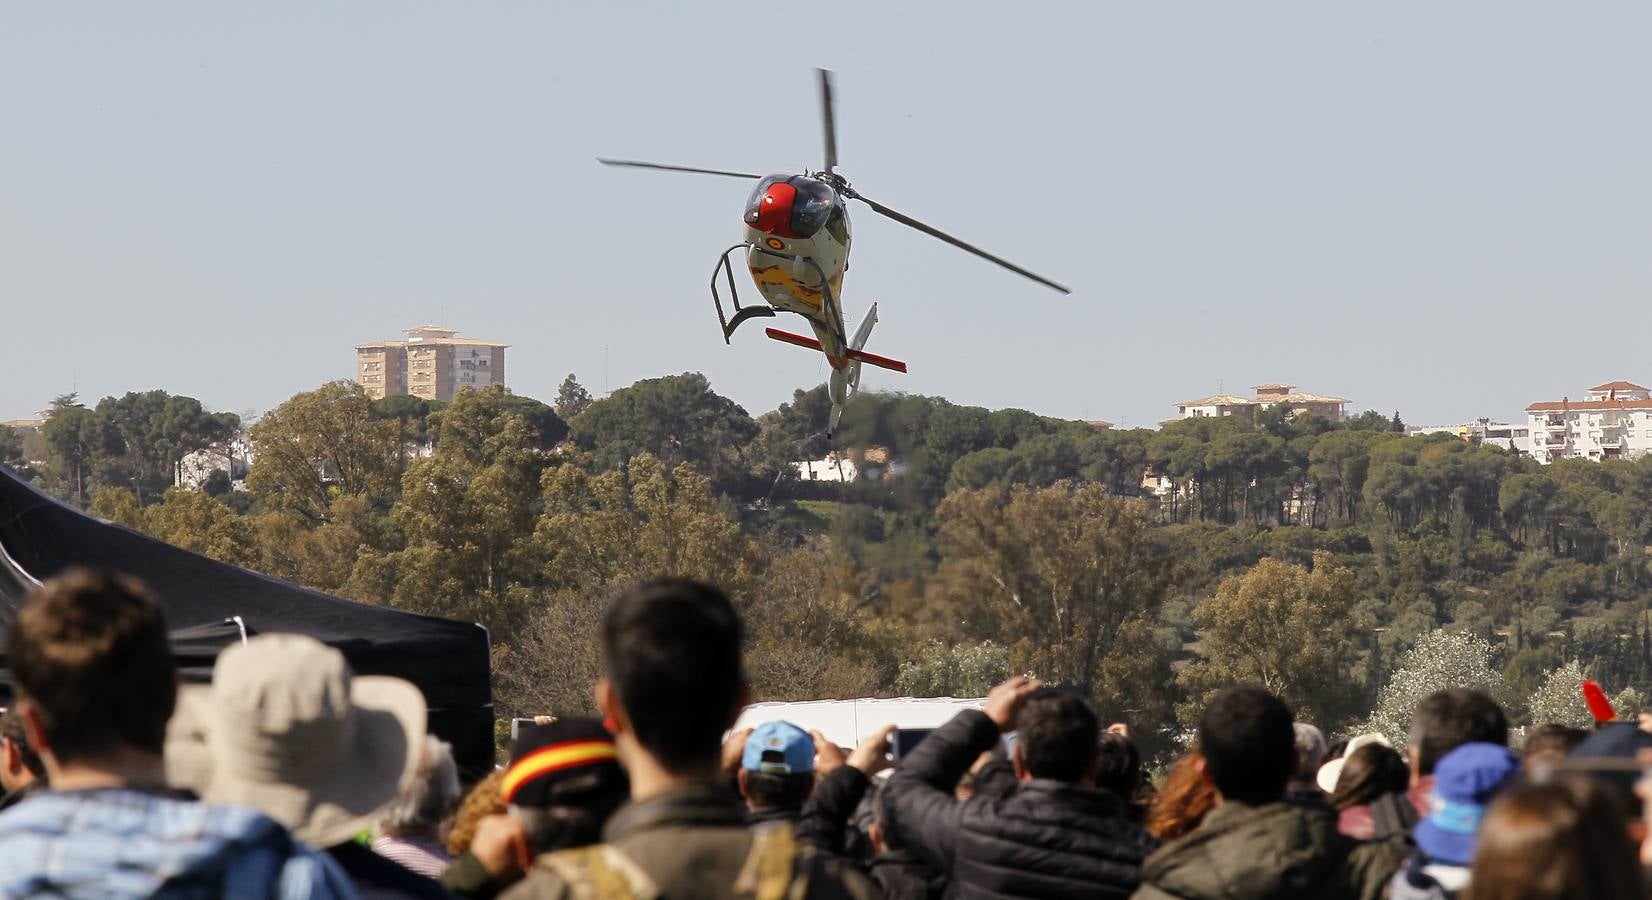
(572,398)
(1439,660)
(412,417)
(195,521)
(467,514)
(1559,699)
(1339,464)
(323,556)
(1285,627)
(676,419)
(118,505)
(151,431)
(1526,504)
(321,444)
(953,670)
(807,636)
(1056,573)
(794,431)
(184,518)
(75,437)
(601,528)
(548,664)
(11,453)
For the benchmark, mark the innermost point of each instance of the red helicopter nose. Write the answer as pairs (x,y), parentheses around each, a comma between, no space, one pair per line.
(773,214)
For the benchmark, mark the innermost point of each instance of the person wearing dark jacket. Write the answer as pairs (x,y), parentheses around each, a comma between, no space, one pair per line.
(842,788)
(1255,845)
(1056,835)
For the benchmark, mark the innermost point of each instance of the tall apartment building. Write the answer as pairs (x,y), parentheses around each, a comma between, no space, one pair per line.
(433,363)
(1266,395)
(1612,421)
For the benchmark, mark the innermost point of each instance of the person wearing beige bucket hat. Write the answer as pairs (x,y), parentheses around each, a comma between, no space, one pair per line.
(95,685)
(287,729)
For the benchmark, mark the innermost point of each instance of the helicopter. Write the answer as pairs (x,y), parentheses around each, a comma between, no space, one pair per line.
(796,247)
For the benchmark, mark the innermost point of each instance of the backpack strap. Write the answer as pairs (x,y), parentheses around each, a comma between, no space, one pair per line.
(1393,817)
(600,872)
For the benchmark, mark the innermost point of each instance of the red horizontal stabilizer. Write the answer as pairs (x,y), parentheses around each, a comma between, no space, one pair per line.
(872,359)
(786,337)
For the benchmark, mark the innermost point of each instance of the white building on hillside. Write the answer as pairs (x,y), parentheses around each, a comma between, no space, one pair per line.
(1267,395)
(869,464)
(833,467)
(1612,421)
(1493,434)
(233,459)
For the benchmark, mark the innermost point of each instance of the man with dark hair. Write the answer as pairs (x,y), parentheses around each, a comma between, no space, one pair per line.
(1444,721)
(95,685)
(1249,744)
(1055,835)
(1448,719)
(21,772)
(1254,845)
(674,685)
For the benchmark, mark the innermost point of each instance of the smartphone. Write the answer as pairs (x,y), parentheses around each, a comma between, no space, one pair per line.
(907,738)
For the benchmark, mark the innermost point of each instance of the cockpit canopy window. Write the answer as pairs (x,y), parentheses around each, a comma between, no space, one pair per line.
(812,207)
(812,203)
(758,193)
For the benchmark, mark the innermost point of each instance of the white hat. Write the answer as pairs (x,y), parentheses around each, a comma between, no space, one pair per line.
(1331,771)
(285,729)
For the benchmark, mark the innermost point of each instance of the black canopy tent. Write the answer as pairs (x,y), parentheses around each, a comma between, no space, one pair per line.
(210,604)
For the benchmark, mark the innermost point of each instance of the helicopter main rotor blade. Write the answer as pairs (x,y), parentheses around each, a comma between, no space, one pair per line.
(829,118)
(932,231)
(637,164)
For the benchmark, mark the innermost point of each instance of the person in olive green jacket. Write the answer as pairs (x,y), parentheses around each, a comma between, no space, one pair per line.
(1254,845)
(673,687)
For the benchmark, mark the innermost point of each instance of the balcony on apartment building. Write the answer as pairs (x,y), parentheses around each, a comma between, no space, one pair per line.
(1555,440)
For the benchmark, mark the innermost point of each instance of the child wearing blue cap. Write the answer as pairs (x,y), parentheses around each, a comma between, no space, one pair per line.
(777,772)
(1464,781)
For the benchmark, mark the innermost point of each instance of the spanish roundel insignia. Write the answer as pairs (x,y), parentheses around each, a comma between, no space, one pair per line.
(775,244)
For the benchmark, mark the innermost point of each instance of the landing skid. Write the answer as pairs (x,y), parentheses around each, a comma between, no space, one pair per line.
(830,310)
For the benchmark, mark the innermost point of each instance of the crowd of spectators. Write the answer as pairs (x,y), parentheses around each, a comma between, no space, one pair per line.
(289,776)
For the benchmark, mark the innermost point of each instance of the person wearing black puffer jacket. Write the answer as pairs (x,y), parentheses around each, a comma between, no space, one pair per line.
(1056,835)
(845,782)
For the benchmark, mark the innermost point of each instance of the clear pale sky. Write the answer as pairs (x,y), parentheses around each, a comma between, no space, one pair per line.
(1440,208)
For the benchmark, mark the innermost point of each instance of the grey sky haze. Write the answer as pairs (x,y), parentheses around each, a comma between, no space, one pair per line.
(1440,208)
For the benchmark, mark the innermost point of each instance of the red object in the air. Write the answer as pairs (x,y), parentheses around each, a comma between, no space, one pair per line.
(1599,706)
(774,211)
(876,360)
(786,337)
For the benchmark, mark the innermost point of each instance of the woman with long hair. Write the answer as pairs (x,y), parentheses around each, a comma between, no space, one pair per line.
(1565,838)
(1183,802)
(1370,772)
